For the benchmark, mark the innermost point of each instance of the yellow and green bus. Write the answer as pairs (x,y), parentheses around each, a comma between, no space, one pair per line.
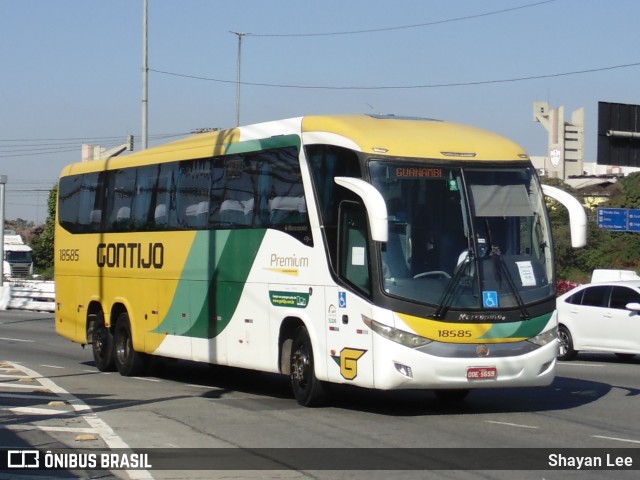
(378,251)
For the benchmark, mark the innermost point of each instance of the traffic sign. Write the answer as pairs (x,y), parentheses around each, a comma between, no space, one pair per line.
(633,221)
(615,219)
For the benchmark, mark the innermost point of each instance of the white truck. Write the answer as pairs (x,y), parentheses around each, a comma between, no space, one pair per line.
(18,257)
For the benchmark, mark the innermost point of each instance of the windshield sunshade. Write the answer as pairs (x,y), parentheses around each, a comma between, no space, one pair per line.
(501,201)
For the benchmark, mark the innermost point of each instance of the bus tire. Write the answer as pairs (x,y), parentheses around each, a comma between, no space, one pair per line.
(307,389)
(128,362)
(565,344)
(102,345)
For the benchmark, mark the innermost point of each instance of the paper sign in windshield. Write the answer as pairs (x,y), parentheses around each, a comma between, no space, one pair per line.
(527,276)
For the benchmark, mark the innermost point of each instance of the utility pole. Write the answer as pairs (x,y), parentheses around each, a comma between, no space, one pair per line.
(240,35)
(3,182)
(145,74)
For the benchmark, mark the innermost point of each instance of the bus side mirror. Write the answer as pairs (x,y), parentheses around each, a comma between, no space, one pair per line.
(373,202)
(577,215)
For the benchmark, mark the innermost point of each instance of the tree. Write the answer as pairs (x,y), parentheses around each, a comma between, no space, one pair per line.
(628,195)
(605,248)
(43,238)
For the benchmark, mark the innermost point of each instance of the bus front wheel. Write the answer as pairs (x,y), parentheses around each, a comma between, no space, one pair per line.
(128,362)
(307,389)
(102,345)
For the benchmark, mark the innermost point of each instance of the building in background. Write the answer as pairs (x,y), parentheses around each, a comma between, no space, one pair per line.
(618,139)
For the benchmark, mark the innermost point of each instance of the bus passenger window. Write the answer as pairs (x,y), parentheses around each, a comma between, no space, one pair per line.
(161,217)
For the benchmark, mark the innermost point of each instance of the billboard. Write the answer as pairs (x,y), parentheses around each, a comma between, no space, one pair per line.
(618,134)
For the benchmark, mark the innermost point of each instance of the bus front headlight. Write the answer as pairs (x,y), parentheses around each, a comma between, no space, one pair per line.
(545,337)
(407,339)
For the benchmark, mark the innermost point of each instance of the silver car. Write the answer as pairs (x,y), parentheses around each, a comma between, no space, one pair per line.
(600,317)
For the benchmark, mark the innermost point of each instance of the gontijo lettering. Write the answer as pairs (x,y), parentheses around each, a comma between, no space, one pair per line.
(130,255)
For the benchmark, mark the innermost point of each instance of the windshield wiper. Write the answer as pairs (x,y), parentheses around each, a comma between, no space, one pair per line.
(448,293)
(502,267)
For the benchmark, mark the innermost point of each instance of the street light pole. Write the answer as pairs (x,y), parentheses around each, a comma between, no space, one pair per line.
(145,74)
(3,182)
(240,35)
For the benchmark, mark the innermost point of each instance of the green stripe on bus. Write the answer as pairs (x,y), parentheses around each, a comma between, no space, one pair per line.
(525,329)
(227,256)
(279,141)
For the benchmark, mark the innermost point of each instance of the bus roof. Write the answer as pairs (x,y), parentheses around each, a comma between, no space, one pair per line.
(380,134)
(417,137)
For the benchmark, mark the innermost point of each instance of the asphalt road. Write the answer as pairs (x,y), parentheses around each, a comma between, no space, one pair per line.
(52,397)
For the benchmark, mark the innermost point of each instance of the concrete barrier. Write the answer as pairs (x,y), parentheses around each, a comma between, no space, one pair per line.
(36,295)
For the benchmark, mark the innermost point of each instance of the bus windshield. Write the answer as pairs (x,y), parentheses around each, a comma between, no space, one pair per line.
(464,237)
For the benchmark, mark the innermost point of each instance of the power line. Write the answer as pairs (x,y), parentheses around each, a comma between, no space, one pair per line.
(88,139)
(62,145)
(404,27)
(400,87)
(31,153)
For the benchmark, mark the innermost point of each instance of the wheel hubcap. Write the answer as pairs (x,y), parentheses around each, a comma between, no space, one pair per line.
(99,339)
(299,366)
(123,348)
(562,348)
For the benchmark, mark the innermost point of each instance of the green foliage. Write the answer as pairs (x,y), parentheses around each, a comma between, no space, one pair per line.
(605,249)
(628,196)
(43,239)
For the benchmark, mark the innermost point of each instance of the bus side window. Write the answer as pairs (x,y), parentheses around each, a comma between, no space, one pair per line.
(217,191)
(69,201)
(194,184)
(327,162)
(286,203)
(121,191)
(143,208)
(353,262)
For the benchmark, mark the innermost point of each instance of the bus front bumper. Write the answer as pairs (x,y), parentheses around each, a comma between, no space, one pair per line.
(454,366)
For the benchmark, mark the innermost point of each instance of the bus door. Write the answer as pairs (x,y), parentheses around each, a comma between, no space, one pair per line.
(349,341)
(70,312)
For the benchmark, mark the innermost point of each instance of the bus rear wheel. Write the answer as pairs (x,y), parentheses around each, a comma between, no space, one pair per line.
(307,389)
(128,362)
(102,345)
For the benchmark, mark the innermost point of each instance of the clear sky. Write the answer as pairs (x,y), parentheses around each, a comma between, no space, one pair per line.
(71,70)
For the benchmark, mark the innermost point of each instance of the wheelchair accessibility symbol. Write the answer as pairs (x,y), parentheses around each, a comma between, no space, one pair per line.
(342,299)
(490,299)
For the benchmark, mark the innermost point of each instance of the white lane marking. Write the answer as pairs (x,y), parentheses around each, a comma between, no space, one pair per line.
(37,411)
(616,439)
(52,366)
(16,340)
(510,424)
(47,428)
(580,364)
(18,385)
(29,397)
(98,426)
(147,379)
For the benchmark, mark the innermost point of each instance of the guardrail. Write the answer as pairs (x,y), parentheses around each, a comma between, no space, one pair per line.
(38,295)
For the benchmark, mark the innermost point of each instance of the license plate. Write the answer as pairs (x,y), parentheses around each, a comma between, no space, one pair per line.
(482,373)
